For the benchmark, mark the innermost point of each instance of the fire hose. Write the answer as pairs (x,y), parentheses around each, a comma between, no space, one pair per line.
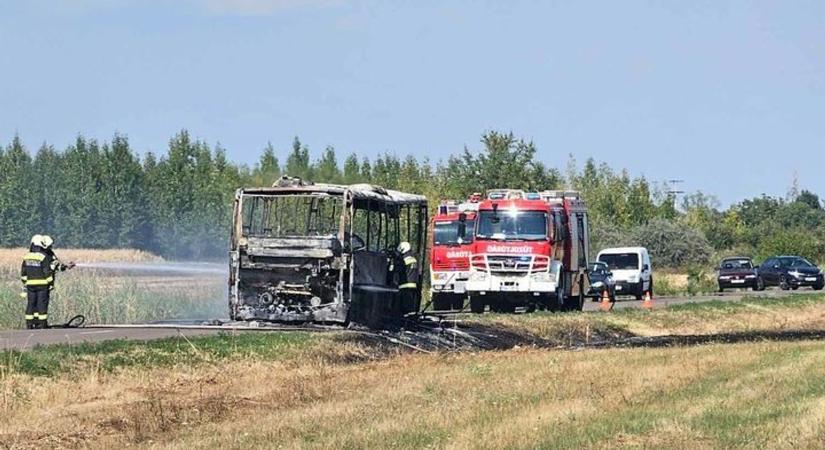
(75,322)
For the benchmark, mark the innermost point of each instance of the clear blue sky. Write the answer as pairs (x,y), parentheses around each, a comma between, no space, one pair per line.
(729,96)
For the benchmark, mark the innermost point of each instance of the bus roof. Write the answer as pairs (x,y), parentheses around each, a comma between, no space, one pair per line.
(359,191)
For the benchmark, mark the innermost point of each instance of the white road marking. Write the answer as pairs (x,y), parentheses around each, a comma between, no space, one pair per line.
(96,332)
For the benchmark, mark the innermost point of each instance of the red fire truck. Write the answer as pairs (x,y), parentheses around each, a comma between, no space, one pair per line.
(529,250)
(451,246)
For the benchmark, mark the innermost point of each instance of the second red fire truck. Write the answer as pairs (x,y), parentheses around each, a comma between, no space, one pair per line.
(451,247)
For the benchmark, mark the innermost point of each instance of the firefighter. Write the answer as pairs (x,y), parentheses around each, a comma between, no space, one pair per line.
(408,279)
(37,274)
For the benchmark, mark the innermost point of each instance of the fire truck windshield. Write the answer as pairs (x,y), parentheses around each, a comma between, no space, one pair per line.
(445,232)
(512,225)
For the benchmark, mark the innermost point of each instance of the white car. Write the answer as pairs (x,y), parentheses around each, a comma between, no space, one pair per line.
(631,270)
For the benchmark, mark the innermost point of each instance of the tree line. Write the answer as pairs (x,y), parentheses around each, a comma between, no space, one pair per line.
(178,203)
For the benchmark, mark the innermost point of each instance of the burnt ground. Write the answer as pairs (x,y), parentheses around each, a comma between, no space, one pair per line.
(433,336)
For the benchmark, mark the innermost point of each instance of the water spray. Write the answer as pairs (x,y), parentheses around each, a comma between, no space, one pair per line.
(165,267)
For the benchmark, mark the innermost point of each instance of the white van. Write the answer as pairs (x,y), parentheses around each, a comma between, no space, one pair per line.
(631,269)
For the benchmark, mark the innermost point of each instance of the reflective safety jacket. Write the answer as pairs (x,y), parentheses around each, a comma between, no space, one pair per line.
(409,276)
(38,268)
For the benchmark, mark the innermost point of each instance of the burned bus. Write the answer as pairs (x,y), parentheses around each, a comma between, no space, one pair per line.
(323,253)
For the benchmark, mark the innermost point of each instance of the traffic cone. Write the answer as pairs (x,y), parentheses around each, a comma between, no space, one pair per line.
(648,301)
(606,304)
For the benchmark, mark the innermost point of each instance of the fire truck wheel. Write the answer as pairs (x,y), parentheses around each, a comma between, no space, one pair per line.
(458,302)
(506,307)
(557,301)
(477,305)
(575,302)
(499,304)
(441,302)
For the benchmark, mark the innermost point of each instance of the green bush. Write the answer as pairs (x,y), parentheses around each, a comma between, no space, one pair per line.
(700,281)
(791,242)
(671,244)
(663,286)
(603,235)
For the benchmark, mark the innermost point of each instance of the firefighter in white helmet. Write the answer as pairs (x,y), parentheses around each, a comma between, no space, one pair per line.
(408,278)
(37,274)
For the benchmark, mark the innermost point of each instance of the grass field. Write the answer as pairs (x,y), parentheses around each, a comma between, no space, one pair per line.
(104,297)
(335,391)
(801,311)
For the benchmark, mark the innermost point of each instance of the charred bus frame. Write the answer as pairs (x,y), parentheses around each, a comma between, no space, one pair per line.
(303,252)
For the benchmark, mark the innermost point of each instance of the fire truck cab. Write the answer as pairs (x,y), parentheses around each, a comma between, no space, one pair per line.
(530,250)
(451,247)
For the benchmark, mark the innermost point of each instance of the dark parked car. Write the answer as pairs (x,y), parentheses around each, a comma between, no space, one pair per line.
(601,280)
(791,272)
(738,272)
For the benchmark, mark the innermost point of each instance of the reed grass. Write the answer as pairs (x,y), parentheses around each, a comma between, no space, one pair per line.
(109,297)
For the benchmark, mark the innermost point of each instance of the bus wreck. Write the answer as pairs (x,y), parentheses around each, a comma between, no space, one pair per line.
(304,252)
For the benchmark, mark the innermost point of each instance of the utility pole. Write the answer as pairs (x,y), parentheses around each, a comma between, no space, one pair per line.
(793,191)
(673,191)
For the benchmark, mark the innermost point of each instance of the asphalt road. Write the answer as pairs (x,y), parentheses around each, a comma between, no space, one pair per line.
(26,339)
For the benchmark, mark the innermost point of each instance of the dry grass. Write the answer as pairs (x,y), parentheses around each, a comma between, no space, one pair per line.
(104,298)
(10,257)
(110,297)
(678,281)
(766,395)
(673,283)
